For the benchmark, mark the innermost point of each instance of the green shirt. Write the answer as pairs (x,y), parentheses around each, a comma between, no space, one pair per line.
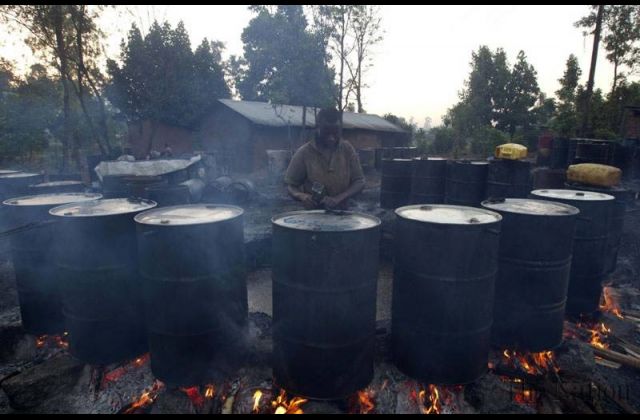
(335,169)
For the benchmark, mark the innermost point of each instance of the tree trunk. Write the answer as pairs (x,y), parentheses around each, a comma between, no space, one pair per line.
(359,87)
(342,59)
(78,21)
(592,71)
(103,113)
(62,57)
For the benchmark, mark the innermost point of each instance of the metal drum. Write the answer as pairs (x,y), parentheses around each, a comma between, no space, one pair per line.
(97,259)
(168,195)
(31,251)
(136,185)
(57,187)
(395,183)
(466,182)
(623,199)
(508,179)
(588,266)
(427,180)
(115,186)
(325,270)
(559,153)
(192,265)
(367,159)
(536,242)
(17,184)
(444,273)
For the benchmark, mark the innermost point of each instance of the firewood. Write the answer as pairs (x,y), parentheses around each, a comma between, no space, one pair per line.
(631,312)
(613,356)
(613,397)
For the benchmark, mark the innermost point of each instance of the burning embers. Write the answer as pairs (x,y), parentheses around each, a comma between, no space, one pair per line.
(53,341)
(198,396)
(117,373)
(144,402)
(531,363)
(280,405)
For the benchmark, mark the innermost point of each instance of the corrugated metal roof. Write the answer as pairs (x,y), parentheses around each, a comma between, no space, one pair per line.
(275,115)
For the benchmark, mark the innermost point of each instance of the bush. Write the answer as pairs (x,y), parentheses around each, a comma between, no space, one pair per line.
(486,139)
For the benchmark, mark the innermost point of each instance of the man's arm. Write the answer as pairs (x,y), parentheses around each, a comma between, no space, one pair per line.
(295,177)
(297,193)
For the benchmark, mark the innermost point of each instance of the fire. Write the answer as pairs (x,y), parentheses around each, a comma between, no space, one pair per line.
(532,363)
(608,303)
(41,341)
(194,395)
(599,333)
(210,391)
(146,399)
(256,401)
(282,406)
(435,400)
(55,340)
(362,401)
(433,406)
(117,373)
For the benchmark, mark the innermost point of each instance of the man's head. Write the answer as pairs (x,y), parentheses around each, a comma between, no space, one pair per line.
(328,126)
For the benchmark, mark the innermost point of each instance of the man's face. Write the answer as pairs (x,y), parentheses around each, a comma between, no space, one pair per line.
(328,133)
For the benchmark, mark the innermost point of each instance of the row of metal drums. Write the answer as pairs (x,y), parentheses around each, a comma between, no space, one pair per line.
(123,278)
(458,182)
(173,279)
(464,278)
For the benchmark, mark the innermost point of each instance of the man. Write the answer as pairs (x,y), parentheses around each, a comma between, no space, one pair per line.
(328,162)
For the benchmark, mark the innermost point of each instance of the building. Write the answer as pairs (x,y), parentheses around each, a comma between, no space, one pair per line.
(239,133)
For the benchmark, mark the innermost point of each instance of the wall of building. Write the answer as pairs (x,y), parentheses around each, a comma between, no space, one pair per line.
(144,137)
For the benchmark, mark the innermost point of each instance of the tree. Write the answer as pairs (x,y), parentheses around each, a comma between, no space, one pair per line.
(28,109)
(522,94)
(499,82)
(367,32)
(621,32)
(284,62)
(67,38)
(565,122)
(592,70)
(161,79)
(479,92)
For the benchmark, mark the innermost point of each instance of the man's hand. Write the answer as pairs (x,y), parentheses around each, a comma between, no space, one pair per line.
(307,201)
(331,202)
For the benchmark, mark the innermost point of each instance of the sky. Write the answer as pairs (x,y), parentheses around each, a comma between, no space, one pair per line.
(423,59)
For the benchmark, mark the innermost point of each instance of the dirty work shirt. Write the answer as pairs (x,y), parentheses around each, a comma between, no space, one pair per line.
(335,169)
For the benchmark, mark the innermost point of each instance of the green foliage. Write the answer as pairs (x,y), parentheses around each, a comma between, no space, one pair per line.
(29,114)
(495,99)
(160,78)
(485,140)
(284,62)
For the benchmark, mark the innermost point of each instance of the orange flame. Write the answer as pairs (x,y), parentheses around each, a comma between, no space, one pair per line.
(282,406)
(146,399)
(609,304)
(532,363)
(194,395)
(57,340)
(434,400)
(362,401)
(41,341)
(210,391)
(256,401)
